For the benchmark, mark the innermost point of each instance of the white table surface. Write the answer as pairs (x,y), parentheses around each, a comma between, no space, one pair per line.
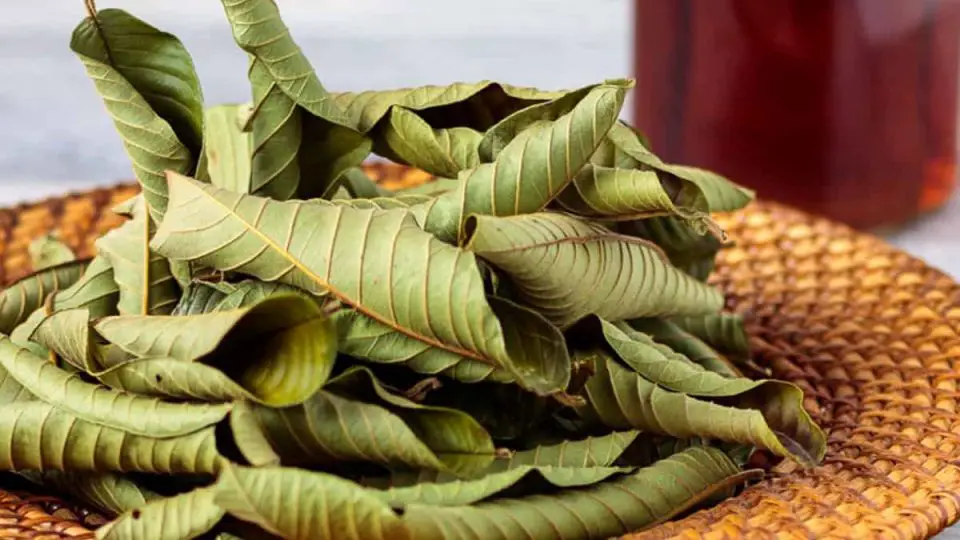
(55,135)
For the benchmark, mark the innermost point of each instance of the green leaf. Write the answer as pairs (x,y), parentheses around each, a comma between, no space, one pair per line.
(533,168)
(355,418)
(567,269)
(23,334)
(148,84)
(27,294)
(600,451)
(324,506)
(361,186)
(475,105)
(441,489)
(280,349)
(36,435)
(100,405)
(227,146)
(250,292)
(187,515)
(609,509)
(296,243)
(46,251)
(328,151)
(258,30)
(688,345)
(499,136)
(250,438)
(144,278)
(174,378)
(506,411)
(687,248)
(365,338)
(66,333)
(198,298)
(128,207)
(622,399)
(721,194)
(625,194)
(109,492)
(276,126)
(406,138)
(432,188)
(401,201)
(96,291)
(780,402)
(298,131)
(723,331)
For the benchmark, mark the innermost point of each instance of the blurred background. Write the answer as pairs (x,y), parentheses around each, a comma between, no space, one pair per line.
(799,98)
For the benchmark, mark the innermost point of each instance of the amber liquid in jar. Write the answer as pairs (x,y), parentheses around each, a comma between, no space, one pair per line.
(844,108)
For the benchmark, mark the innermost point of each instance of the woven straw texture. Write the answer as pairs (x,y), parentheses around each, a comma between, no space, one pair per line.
(868,332)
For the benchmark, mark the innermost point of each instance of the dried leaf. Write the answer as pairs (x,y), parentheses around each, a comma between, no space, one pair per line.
(187,515)
(36,435)
(567,269)
(46,251)
(144,279)
(533,168)
(281,349)
(19,300)
(326,506)
(100,405)
(354,418)
(296,243)
(622,399)
(150,88)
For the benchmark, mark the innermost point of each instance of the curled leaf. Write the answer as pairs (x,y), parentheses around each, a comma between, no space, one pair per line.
(406,138)
(625,194)
(280,349)
(66,333)
(567,269)
(355,418)
(227,146)
(296,243)
(144,279)
(533,168)
(46,251)
(150,89)
(249,437)
(687,247)
(199,297)
(187,515)
(36,435)
(96,291)
(688,345)
(100,405)
(430,488)
(599,451)
(109,492)
(325,507)
(608,509)
(478,105)
(724,331)
(622,399)
(19,300)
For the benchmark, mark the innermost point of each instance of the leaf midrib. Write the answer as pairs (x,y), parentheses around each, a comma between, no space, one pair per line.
(340,295)
(580,240)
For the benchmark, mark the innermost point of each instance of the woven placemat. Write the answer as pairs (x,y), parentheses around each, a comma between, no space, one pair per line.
(868,332)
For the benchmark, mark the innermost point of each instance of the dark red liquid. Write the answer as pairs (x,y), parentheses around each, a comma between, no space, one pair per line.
(845,108)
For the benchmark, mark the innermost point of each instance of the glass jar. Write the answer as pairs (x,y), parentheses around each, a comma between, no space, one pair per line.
(844,108)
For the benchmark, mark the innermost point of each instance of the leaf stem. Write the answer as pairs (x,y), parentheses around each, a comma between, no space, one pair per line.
(91,6)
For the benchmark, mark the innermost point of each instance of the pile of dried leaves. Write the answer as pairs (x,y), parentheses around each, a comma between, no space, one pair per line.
(273,344)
